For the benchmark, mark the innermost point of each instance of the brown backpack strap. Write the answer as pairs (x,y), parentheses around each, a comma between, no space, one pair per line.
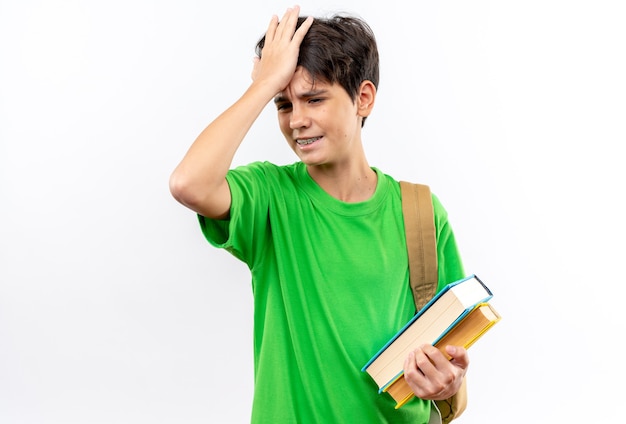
(419,226)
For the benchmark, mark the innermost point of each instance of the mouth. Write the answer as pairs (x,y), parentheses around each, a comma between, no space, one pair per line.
(306,141)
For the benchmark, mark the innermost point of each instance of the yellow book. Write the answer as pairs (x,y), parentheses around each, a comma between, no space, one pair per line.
(464,333)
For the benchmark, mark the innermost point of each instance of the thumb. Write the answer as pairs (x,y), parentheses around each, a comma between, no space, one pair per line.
(458,355)
(255,61)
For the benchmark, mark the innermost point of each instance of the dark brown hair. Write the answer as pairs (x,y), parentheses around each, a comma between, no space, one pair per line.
(338,49)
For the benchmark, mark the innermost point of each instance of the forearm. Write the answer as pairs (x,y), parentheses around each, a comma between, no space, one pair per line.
(199,181)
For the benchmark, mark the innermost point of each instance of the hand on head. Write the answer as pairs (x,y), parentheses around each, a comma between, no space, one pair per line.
(279,56)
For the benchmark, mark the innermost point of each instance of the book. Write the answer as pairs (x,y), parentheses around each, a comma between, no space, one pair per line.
(441,313)
(465,333)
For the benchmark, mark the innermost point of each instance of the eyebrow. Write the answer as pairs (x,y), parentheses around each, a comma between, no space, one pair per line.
(283,99)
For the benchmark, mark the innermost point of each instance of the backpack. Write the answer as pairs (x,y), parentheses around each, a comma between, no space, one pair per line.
(419,224)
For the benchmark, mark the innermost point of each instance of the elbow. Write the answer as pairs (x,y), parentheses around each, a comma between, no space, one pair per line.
(182,189)
(207,198)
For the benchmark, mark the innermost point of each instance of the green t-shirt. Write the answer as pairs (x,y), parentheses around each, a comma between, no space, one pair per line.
(330,284)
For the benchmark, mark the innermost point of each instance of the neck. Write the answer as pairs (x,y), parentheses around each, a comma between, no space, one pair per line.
(352,184)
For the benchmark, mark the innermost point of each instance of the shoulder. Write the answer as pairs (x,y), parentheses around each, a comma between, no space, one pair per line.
(438,208)
(261,167)
(439,211)
(262,171)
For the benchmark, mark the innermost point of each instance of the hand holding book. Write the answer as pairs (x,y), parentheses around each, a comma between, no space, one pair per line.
(428,371)
(457,316)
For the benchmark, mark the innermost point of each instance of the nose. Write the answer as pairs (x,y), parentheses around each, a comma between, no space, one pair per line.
(298,118)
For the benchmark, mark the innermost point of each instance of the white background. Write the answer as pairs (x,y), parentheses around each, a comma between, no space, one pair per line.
(113,308)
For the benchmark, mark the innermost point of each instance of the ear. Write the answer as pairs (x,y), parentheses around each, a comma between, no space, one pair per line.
(365,98)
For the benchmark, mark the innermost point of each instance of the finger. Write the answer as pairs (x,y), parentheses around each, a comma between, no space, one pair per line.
(459,356)
(288,23)
(436,356)
(412,374)
(420,384)
(271,29)
(255,67)
(303,29)
(409,364)
(423,360)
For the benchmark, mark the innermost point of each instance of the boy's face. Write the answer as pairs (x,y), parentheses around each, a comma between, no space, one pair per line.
(320,122)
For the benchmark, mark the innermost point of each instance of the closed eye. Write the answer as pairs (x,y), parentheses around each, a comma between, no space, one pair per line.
(283,106)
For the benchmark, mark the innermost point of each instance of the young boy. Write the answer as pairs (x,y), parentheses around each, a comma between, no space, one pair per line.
(323,237)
